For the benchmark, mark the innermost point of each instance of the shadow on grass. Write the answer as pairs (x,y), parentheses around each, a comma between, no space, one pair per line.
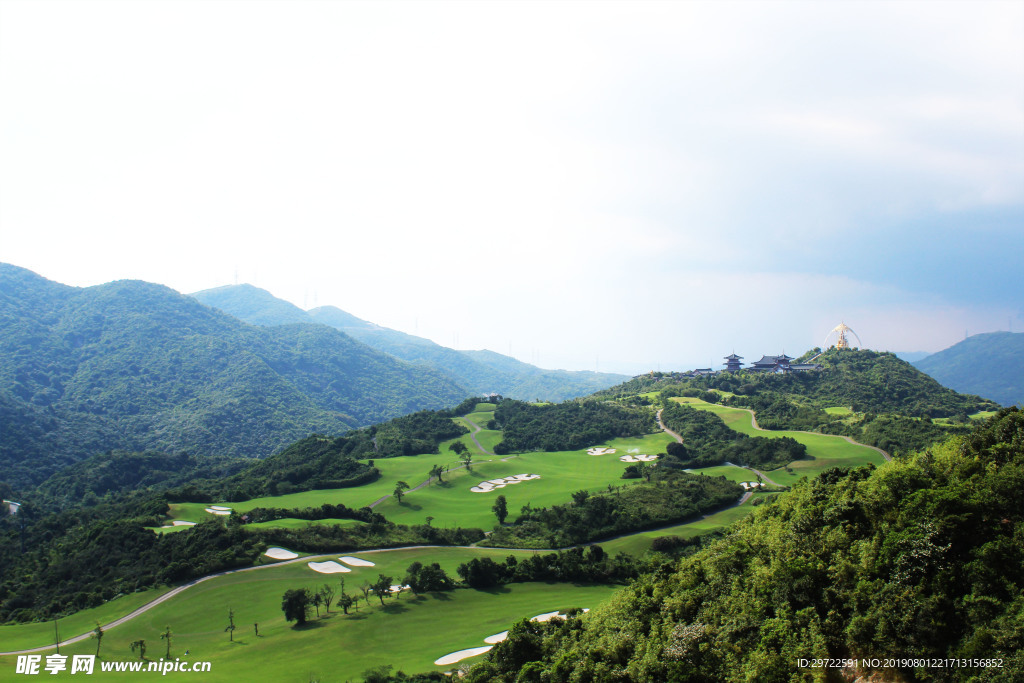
(410,506)
(497,590)
(437,595)
(394,608)
(308,626)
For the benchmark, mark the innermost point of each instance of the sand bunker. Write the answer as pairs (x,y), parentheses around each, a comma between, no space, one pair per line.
(637,458)
(491,485)
(496,638)
(219,507)
(328,567)
(396,588)
(218,512)
(181,522)
(455,657)
(600,450)
(356,562)
(280,554)
(548,616)
(752,485)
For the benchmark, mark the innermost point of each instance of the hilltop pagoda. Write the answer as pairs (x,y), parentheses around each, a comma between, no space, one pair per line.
(732,362)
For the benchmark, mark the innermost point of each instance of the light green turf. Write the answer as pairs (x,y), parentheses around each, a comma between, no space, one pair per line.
(292,523)
(451,503)
(730,472)
(167,529)
(839,410)
(823,450)
(639,543)
(23,636)
(408,632)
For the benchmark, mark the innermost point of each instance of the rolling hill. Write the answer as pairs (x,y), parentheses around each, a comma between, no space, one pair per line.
(990,365)
(133,365)
(481,372)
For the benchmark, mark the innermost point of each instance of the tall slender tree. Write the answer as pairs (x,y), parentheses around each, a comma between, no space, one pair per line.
(166,635)
(97,633)
(231,624)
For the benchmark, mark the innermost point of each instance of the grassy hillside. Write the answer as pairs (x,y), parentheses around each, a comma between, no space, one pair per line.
(990,365)
(136,366)
(914,560)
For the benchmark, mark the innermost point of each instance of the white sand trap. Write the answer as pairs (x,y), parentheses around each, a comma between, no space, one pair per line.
(633,450)
(493,484)
(600,450)
(180,522)
(638,458)
(219,507)
(396,588)
(548,616)
(455,657)
(751,485)
(329,567)
(496,638)
(356,562)
(218,512)
(280,554)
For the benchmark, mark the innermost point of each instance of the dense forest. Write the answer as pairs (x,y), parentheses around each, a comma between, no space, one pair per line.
(134,366)
(922,558)
(707,441)
(566,426)
(480,372)
(669,496)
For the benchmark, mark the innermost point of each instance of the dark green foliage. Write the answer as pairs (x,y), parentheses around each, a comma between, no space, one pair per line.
(670,496)
(920,558)
(567,426)
(135,366)
(708,441)
(427,578)
(590,565)
(295,603)
(990,365)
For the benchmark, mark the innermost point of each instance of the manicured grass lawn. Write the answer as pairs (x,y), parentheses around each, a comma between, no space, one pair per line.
(23,636)
(839,410)
(824,450)
(731,473)
(292,523)
(408,632)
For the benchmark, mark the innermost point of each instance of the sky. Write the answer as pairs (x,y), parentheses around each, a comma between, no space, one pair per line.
(582,185)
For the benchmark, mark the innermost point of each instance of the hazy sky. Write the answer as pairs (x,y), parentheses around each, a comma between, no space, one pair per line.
(624,186)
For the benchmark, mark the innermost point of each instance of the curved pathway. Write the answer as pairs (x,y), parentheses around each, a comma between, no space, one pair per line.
(666,429)
(476,429)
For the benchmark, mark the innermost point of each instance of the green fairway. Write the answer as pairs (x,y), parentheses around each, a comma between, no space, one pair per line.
(823,450)
(23,636)
(838,410)
(730,472)
(408,632)
(639,543)
(292,523)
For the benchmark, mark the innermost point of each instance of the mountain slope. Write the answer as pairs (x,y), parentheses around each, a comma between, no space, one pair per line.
(990,365)
(483,372)
(133,365)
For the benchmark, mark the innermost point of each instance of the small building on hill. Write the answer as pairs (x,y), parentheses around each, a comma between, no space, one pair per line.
(732,362)
(771,364)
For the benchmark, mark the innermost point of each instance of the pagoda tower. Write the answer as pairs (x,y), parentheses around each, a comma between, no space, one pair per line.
(732,362)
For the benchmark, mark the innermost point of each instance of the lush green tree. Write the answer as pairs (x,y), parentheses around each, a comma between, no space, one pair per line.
(458,448)
(382,586)
(230,628)
(97,634)
(139,645)
(467,459)
(400,488)
(500,508)
(295,604)
(327,591)
(345,601)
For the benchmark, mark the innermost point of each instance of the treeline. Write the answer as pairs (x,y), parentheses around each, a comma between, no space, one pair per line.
(670,496)
(918,559)
(84,556)
(590,565)
(707,441)
(325,511)
(566,426)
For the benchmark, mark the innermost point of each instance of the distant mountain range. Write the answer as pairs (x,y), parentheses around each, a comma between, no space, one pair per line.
(134,365)
(481,372)
(990,365)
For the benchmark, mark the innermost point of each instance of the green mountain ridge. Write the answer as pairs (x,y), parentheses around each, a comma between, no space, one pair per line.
(989,364)
(481,372)
(137,366)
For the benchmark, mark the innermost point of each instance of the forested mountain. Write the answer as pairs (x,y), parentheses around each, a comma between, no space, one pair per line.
(481,372)
(136,366)
(915,562)
(990,365)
